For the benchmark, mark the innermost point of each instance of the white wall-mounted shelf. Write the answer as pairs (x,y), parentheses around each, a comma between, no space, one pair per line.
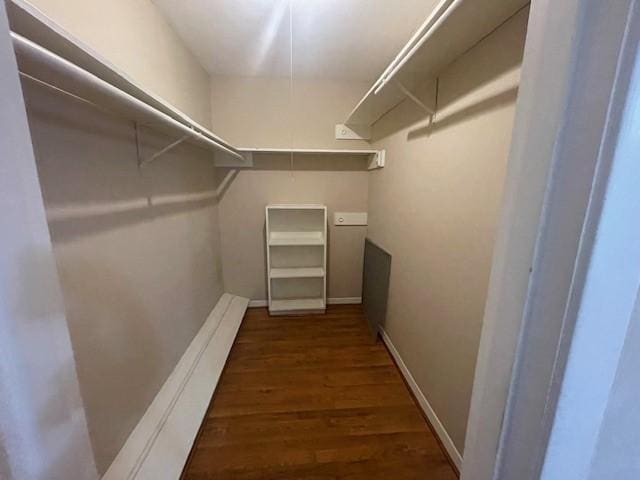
(452,29)
(52,57)
(310,151)
(376,157)
(296,258)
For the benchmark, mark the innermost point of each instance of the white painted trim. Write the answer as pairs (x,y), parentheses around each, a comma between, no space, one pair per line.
(593,427)
(330,301)
(424,403)
(159,445)
(556,162)
(43,428)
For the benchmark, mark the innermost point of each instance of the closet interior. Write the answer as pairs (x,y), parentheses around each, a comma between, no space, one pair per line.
(205,162)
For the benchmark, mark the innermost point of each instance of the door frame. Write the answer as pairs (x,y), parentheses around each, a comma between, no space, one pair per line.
(43,427)
(576,71)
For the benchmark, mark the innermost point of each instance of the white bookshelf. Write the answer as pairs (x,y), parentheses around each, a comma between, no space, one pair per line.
(296,258)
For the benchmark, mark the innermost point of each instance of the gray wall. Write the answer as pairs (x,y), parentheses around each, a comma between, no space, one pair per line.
(435,206)
(137,252)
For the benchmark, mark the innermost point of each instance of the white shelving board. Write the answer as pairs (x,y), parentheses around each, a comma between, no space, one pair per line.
(376,158)
(297,272)
(296,238)
(452,29)
(296,258)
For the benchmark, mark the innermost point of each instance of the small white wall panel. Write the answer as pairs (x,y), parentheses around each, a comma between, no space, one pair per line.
(350,218)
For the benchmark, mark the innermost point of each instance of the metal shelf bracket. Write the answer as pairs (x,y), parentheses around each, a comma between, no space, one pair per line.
(161,152)
(377,160)
(415,99)
(142,161)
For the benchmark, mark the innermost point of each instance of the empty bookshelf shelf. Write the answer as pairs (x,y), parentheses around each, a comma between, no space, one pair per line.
(296,238)
(300,272)
(297,305)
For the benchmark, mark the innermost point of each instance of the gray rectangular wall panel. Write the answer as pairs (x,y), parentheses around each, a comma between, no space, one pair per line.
(375,285)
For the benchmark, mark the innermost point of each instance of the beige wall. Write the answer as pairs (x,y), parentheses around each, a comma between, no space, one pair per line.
(340,183)
(137,252)
(434,207)
(273,112)
(262,112)
(133,35)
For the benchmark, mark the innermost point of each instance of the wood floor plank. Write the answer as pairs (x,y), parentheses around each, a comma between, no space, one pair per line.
(313,397)
(249,429)
(248,380)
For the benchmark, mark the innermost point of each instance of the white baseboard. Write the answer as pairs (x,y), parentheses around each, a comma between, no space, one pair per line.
(159,445)
(344,301)
(258,303)
(330,301)
(424,404)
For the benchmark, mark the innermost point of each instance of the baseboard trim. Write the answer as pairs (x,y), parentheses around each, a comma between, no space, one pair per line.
(330,301)
(159,445)
(258,303)
(444,437)
(344,301)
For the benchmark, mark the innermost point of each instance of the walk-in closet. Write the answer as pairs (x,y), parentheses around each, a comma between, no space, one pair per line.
(262,232)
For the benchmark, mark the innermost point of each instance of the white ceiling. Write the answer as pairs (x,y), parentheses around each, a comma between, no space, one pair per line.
(341,39)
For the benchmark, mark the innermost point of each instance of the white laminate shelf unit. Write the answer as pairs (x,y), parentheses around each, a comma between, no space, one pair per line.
(449,31)
(296,258)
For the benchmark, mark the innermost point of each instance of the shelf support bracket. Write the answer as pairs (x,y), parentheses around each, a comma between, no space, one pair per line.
(415,99)
(145,161)
(138,146)
(377,160)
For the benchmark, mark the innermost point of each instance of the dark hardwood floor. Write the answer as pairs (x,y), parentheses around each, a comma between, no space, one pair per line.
(313,397)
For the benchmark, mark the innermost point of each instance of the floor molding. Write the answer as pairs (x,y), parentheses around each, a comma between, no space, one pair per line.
(258,303)
(330,301)
(344,301)
(159,445)
(451,449)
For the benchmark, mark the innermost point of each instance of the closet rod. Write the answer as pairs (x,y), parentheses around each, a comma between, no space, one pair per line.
(435,14)
(444,14)
(32,57)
